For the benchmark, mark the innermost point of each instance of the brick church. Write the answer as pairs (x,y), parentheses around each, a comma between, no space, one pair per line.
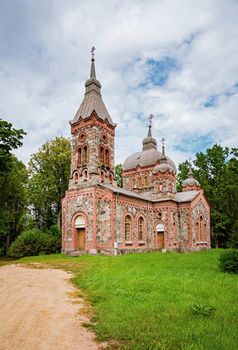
(147,213)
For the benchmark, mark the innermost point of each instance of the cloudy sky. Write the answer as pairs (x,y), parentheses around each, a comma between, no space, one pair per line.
(177,59)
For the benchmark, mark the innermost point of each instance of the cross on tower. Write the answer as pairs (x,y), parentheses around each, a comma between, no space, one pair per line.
(92,52)
(162,141)
(151,116)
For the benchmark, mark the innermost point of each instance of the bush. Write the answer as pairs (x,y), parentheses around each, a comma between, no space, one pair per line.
(34,242)
(228,261)
(202,310)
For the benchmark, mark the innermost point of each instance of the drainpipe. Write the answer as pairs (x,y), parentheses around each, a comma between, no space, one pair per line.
(179,222)
(115,234)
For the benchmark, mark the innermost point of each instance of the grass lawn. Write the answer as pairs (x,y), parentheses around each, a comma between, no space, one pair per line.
(143,301)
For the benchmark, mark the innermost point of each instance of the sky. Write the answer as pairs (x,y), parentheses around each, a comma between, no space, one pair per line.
(176,59)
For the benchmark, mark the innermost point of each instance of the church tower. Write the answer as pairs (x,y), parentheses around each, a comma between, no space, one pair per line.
(93,133)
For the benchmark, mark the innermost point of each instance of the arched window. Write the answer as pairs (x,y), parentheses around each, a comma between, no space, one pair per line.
(146,181)
(160,187)
(127,228)
(205,232)
(133,183)
(201,228)
(102,175)
(101,155)
(139,182)
(79,160)
(140,228)
(85,154)
(85,175)
(76,176)
(107,157)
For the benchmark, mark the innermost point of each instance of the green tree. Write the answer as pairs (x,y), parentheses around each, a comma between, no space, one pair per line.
(13,203)
(217,172)
(13,177)
(10,139)
(118,174)
(49,171)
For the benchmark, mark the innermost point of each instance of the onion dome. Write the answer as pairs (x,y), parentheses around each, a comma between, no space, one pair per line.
(190,179)
(164,164)
(149,155)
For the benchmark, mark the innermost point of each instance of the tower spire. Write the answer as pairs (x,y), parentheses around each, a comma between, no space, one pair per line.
(190,172)
(163,158)
(92,69)
(149,142)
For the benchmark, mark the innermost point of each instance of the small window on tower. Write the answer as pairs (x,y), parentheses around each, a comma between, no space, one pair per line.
(107,157)
(104,138)
(85,154)
(82,137)
(102,154)
(79,159)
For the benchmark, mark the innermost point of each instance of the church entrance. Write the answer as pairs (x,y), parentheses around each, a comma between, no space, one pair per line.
(160,236)
(79,240)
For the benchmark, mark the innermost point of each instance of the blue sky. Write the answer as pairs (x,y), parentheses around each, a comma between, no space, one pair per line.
(176,59)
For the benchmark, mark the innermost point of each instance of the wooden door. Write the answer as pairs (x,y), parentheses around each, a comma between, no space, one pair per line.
(161,240)
(81,238)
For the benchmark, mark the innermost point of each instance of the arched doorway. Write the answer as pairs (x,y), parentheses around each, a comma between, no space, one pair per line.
(160,235)
(79,225)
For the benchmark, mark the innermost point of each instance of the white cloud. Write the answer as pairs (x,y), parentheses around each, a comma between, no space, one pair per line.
(45,60)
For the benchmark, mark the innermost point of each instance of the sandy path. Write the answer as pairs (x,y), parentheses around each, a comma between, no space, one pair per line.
(37,313)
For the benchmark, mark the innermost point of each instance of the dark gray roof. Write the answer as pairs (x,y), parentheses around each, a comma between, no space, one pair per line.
(179,197)
(92,100)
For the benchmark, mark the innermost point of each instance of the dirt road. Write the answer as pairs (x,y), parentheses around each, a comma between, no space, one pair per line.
(37,312)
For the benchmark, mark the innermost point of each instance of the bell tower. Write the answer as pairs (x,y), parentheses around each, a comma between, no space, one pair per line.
(93,133)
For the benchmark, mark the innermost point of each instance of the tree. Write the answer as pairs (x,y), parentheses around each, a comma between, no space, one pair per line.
(13,177)
(217,172)
(12,202)
(49,171)
(10,139)
(118,173)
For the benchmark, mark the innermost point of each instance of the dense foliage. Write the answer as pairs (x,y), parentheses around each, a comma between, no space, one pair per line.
(34,242)
(13,178)
(217,172)
(49,171)
(10,139)
(228,261)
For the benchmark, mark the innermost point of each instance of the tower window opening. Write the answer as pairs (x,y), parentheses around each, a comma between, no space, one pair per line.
(79,160)
(85,154)
(76,177)
(107,157)
(85,175)
(110,178)
(102,175)
(101,156)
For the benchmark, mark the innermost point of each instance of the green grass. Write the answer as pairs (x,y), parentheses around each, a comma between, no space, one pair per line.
(158,301)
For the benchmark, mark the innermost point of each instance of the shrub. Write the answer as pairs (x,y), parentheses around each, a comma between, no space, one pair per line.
(228,261)
(34,242)
(202,310)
